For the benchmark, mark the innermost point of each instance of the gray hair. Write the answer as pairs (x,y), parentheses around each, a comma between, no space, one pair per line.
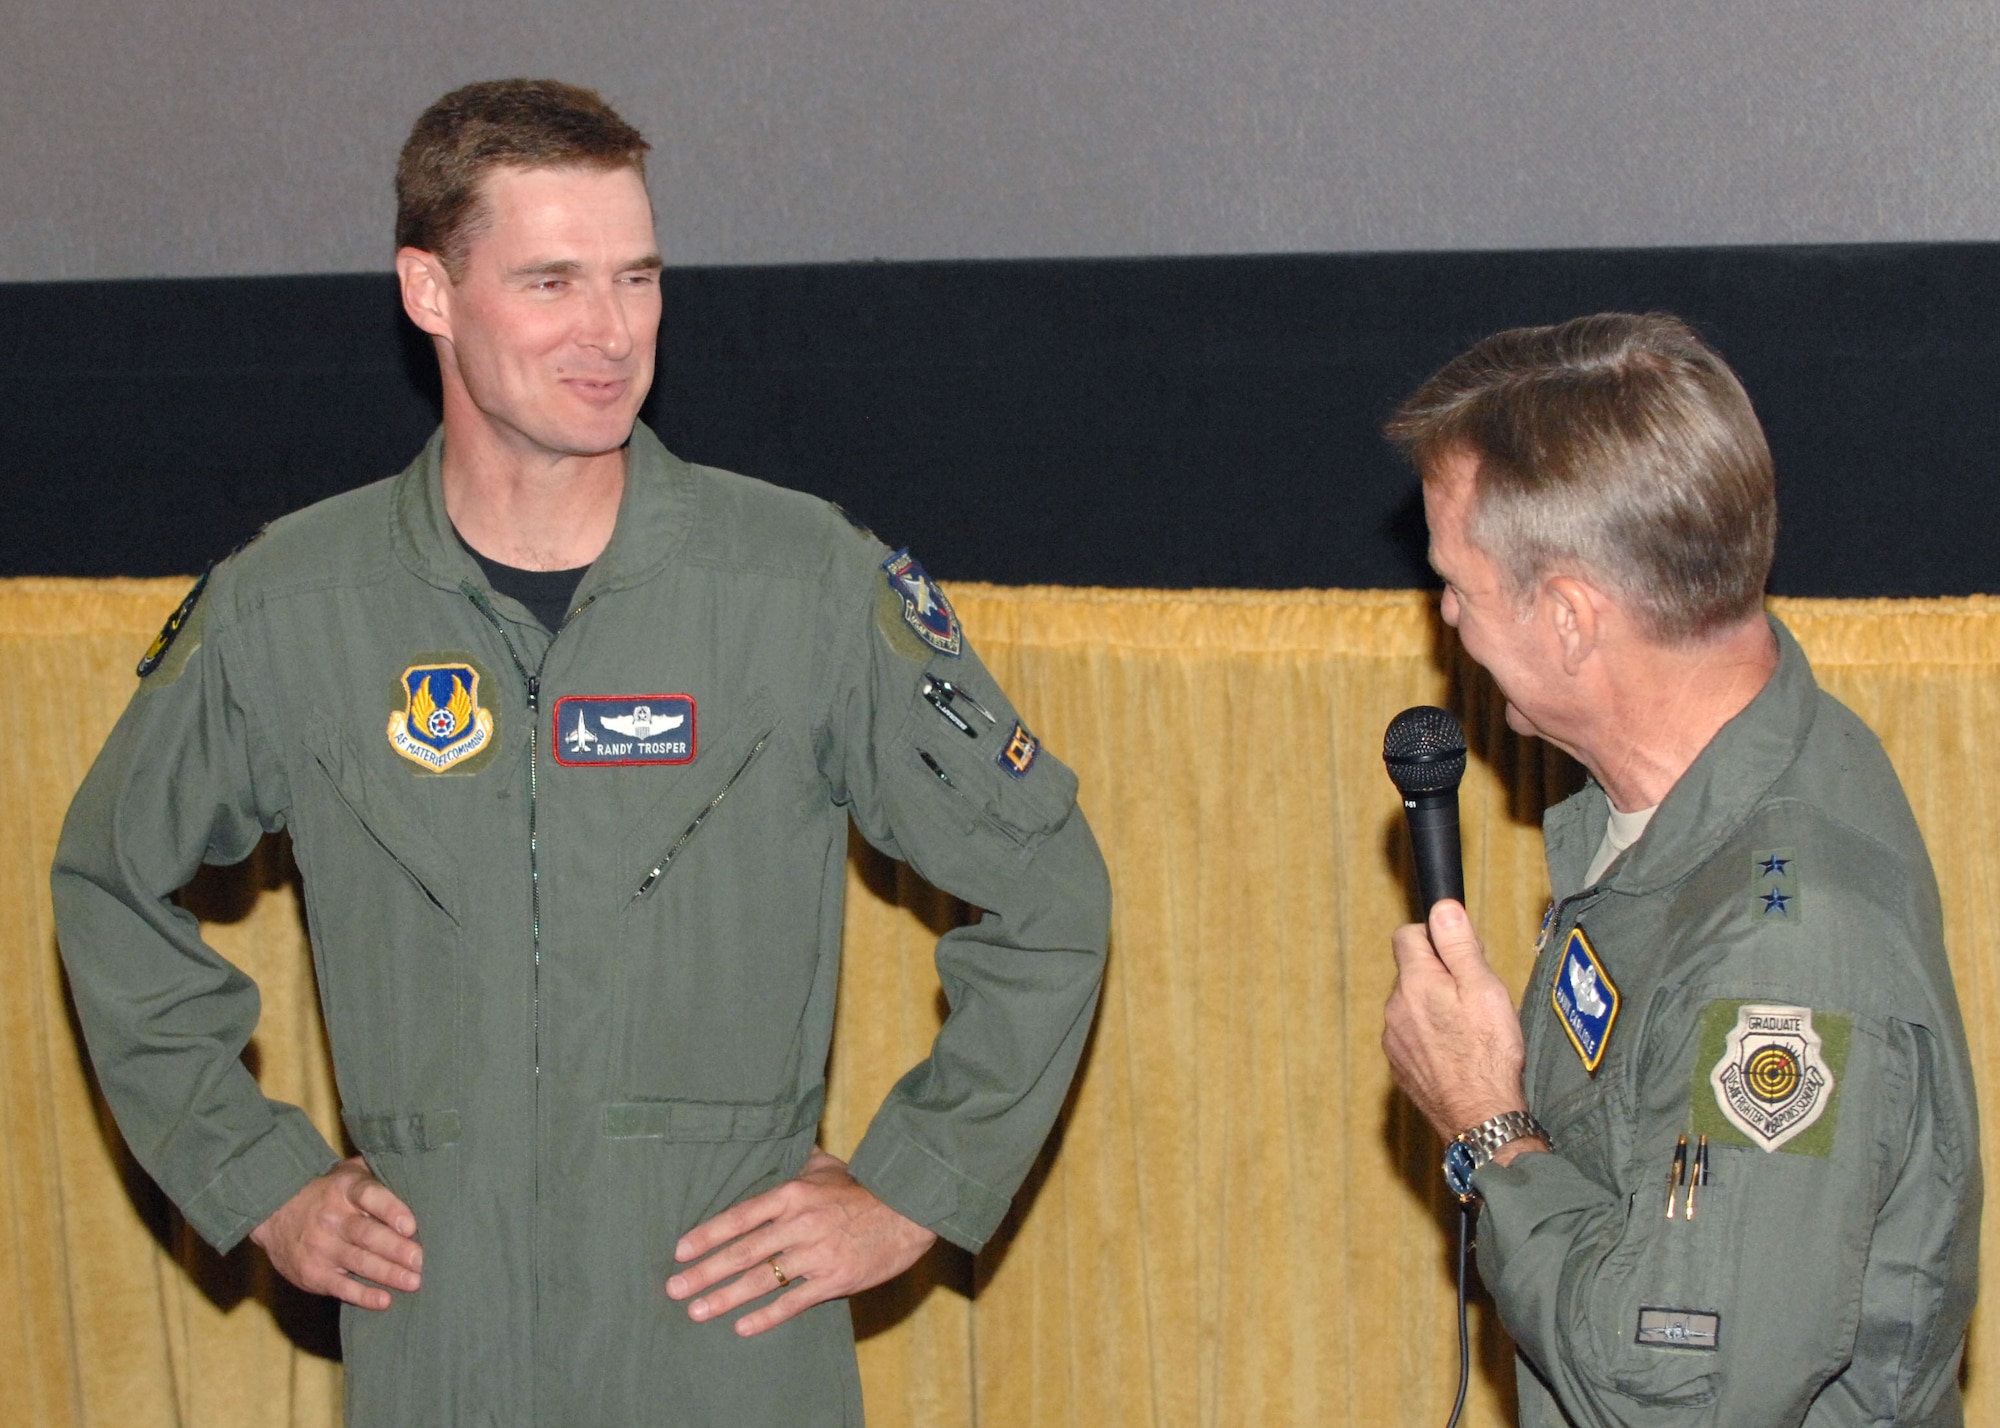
(1619,447)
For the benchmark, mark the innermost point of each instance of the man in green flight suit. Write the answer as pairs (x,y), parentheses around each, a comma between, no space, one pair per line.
(567,734)
(1726,1152)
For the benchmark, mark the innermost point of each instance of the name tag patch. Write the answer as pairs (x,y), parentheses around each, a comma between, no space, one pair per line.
(1679,1329)
(1586,1000)
(624,729)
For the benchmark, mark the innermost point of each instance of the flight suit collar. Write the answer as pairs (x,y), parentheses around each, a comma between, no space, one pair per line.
(1724,785)
(654,517)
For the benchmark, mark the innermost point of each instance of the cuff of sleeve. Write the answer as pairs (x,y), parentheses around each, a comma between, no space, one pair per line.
(912,1181)
(1521,1196)
(272,1169)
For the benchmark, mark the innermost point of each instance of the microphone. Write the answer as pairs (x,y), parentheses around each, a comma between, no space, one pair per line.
(1424,749)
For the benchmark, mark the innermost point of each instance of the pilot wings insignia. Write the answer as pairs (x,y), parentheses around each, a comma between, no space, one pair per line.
(441,724)
(642,722)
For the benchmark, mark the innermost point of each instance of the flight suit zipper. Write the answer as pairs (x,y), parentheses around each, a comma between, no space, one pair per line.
(532,683)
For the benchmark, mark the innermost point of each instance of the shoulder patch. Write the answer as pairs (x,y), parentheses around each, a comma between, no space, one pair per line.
(1585,999)
(925,609)
(441,723)
(171,631)
(1769,1076)
(1774,886)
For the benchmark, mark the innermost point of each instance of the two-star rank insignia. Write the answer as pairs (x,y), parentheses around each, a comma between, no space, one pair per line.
(925,610)
(1774,886)
(441,724)
(1585,999)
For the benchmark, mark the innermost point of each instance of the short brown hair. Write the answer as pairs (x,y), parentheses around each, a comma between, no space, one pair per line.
(523,123)
(1620,445)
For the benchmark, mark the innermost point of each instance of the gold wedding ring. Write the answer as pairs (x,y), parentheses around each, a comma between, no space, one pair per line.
(779,1270)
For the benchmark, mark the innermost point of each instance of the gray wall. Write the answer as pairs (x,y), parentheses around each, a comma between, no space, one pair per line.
(255,136)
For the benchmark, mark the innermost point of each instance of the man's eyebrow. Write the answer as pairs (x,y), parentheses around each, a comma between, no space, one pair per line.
(554,267)
(570,267)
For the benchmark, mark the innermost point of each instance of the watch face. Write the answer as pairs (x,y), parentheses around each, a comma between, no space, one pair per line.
(1458,1168)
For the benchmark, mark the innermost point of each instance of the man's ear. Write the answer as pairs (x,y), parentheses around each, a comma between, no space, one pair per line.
(1573,608)
(426,290)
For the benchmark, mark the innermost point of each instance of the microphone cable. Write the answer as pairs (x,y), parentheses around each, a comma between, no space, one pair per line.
(1465,1216)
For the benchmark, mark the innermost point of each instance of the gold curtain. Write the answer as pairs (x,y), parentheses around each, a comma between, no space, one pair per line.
(1237,1222)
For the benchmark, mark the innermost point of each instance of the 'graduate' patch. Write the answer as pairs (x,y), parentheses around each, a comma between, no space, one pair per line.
(441,724)
(1586,1000)
(624,729)
(925,610)
(1769,1075)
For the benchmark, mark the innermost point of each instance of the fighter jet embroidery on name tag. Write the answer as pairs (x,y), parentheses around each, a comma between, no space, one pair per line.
(441,724)
(624,729)
(1585,999)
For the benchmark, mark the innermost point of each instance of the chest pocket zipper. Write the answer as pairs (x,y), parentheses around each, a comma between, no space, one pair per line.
(666,859)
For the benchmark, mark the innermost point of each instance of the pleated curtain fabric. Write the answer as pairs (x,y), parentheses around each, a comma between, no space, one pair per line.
(1238,1221)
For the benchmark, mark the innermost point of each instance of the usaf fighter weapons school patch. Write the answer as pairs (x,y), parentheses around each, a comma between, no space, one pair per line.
(441,724)
(624,729)
(1585,1000)
(1769,1076)
(925,610)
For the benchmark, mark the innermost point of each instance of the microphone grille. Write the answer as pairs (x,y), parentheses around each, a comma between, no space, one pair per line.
(1425,750)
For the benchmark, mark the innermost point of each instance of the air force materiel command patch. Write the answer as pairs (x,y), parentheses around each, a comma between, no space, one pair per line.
(1585,999)
(1017,755)
(1774,1077)
(624,729)
(925,610)
(169,632)
(441,725)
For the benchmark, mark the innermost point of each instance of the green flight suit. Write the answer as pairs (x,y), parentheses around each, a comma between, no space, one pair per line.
(577,1005)
(1828,1270)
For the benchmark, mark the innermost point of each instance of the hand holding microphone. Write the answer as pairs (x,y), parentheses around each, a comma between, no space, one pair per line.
(1425,751)
(1450,1029)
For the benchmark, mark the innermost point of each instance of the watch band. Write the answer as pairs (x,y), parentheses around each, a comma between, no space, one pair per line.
(1485,1139)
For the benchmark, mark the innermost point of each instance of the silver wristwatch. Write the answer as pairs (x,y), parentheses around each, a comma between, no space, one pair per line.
(1472,1148)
